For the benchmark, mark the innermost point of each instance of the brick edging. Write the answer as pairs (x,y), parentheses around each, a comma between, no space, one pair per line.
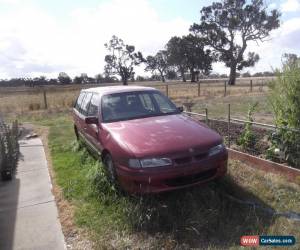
(291,173)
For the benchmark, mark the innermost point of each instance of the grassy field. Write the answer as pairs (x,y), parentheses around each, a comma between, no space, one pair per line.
(203,217)
(22,100)
(21,103)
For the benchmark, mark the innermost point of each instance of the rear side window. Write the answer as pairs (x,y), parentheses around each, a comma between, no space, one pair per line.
(93,108)
(85,104)
(79,101)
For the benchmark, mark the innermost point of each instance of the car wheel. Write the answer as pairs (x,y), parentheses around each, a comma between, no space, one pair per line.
(76,133)
(110,169)
(6,175)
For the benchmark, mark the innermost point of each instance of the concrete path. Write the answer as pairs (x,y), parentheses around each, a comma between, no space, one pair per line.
(28,212)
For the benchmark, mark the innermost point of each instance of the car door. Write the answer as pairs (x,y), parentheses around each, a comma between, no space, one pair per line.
(93,130)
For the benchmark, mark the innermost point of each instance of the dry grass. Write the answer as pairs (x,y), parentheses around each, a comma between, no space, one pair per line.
(27,99)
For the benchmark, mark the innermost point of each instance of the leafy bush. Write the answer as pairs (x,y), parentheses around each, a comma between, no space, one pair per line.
(285,100)
(247,139)
(34,106)
(9,149)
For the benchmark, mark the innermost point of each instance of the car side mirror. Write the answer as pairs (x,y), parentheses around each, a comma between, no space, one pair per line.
(180,109)
(91,120)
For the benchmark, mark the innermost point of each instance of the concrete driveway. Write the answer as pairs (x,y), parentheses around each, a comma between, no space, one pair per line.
(28,212)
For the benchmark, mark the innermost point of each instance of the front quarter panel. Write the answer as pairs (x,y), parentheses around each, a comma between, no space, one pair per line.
(119,150)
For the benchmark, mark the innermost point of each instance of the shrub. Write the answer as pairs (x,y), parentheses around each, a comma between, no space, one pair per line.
(9,149)
(285,101)
(34,106)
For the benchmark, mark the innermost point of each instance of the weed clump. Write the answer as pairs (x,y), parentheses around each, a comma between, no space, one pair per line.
(247,140)
(9,149)
(285,100)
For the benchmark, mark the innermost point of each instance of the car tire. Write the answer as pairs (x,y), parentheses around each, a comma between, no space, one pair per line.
(76,133)
(6,175)
(110,170)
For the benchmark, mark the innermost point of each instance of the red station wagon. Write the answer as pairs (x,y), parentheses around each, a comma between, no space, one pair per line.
(146,143)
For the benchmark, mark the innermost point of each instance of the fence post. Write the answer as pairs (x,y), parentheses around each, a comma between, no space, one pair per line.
(45,99)
(198,89)
(228,128)
(251,86)
(206,116)
(225,90)
(167,90)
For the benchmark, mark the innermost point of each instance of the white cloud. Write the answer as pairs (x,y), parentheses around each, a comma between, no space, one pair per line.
(76,43)
(290,6)
(283,40)
(34,42)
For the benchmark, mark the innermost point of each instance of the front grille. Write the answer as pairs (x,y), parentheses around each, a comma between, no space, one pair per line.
(201,156)
(186,180)
(183,160)
(190,158)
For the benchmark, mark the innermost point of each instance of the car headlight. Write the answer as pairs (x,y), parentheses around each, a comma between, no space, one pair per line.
(155,162)
(215,150)
(134,163)
(150,163)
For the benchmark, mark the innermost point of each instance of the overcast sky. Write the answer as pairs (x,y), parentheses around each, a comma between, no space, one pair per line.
(45,37)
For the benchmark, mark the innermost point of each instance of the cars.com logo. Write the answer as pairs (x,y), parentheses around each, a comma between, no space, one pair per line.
(255,240)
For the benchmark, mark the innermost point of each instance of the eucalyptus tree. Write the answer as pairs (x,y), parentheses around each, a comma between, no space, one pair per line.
(159,63)
(228,26)
(121,59)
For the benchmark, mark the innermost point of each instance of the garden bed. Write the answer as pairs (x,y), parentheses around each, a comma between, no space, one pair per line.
(236,129)
(261,145)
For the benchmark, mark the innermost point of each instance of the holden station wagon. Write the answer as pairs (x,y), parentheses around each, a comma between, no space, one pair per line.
(146,143)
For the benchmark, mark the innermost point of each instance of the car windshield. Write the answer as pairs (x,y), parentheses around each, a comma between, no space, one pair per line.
(134,105)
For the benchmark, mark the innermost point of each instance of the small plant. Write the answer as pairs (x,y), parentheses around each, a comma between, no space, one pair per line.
(247,139)
(9,149)
(188,104)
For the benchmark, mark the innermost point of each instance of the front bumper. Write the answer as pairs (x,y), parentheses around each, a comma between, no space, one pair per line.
(161,179)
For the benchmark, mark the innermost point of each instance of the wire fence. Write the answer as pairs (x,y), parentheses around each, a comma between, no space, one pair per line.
(260,138)
(59,97)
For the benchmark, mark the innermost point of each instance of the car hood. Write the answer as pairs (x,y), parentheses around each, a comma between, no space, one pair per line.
(161,135)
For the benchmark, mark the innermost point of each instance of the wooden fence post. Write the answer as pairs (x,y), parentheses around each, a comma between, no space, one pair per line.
(228,128)
(198,89)
(45,99)
(251,85)
(206,116)
(225,88)
(167,90)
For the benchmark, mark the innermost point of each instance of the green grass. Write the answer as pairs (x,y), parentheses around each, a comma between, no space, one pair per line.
(201,217)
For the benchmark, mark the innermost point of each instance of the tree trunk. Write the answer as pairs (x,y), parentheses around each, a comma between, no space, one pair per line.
(232,75)
(163,77)
(193,75)
(125,80)
(182,74)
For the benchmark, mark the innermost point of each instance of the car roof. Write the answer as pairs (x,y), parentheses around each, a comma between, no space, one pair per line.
(117,89)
